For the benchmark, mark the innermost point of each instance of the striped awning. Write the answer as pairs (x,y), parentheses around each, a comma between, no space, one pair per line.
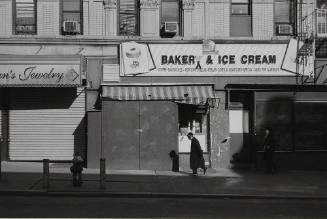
(190,94)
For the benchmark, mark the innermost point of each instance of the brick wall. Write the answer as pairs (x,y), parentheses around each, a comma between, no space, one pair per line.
(263,19)
(211,19)
(95,18)
(5,18)
(48,18)
(208,19)
(219,129)
(219,19)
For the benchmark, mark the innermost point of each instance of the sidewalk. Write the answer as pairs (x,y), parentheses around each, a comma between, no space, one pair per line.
(26,178)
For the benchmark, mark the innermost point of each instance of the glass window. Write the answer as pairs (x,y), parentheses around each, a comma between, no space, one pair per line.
(276,114)
(284,11)
(241,7)
(241,20)
(322,4)
(310,126)
(128,17)
(71,16)
(25,19)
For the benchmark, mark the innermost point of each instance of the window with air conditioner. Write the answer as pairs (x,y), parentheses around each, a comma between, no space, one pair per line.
(71,17)
(128,11)
(170,18)
(284,17)
(25,16)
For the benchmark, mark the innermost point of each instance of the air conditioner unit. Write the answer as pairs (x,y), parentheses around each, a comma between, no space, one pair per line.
(284,29)
(71,27)
(171,27)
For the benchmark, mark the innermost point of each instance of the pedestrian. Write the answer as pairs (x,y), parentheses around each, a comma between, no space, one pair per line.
(269,149)
(175,159)
(77,169)
(196,155)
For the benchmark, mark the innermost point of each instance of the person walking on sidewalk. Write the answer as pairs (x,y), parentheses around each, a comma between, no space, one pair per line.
(196,155)
(269,149)
(77,169)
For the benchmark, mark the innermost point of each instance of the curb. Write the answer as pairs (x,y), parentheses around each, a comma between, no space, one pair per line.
(155,195)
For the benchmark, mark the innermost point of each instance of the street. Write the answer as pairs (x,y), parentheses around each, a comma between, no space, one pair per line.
(65,206)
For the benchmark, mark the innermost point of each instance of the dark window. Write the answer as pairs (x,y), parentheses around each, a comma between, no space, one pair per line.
(241,7)
(322,4)
(284,16)
(170,18)
(298,120)
(128,17)
(276,114)
(71,16)
(310,125)
(241,20)
(25,17)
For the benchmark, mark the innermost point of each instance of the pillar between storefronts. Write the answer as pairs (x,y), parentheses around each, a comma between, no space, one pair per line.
(102,173)
(110,14)
(46,174)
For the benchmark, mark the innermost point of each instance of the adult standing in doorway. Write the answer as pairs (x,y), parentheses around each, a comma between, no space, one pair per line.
(196,155)
(269,149)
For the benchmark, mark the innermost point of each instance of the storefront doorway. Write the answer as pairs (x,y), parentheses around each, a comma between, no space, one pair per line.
(192,118)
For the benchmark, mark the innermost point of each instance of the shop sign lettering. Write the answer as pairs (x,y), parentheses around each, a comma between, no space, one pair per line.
(223,59)
(39,75)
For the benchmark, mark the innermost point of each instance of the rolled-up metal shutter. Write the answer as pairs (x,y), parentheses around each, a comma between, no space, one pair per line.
(46,123)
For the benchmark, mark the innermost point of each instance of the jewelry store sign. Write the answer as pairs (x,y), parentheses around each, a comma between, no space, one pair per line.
(205,60)
(40,74)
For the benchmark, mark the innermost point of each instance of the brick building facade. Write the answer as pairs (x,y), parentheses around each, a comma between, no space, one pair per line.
(224,69)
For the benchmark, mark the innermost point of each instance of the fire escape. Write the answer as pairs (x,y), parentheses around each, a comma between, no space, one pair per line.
(312,29)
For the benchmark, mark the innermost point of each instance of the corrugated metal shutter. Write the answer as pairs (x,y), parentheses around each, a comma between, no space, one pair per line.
(46,123)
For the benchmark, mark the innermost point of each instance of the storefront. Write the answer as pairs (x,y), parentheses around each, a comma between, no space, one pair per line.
(229,125)
(43,107)
(297,117)
(141,124)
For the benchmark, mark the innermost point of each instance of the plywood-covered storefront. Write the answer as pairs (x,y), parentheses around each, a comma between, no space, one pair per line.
(141,124)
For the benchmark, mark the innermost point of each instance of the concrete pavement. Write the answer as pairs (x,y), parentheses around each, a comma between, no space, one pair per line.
(26,178)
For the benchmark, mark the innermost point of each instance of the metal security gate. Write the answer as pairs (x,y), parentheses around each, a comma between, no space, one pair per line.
(46,123)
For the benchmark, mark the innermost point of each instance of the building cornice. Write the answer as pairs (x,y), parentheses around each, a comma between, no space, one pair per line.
(117,41)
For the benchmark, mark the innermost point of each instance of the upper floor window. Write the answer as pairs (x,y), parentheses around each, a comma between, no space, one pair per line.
(170,18)
(71,17)
(284,16)
(128,17)
(241,7)
(25,17)
(241,20)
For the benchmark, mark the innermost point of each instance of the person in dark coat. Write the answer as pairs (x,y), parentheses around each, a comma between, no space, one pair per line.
(269,149)
(196,155)
(175,159)
(77,169)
